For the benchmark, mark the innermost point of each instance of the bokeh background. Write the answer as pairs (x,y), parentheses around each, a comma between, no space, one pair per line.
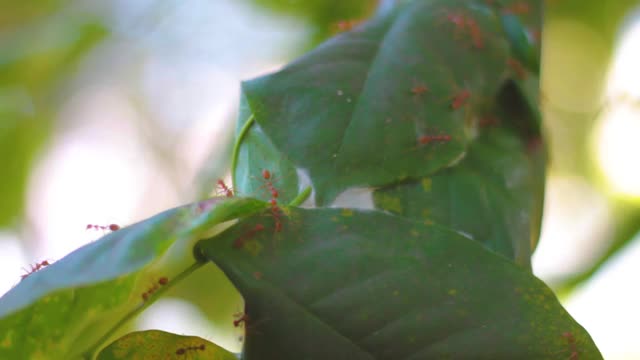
(112,111)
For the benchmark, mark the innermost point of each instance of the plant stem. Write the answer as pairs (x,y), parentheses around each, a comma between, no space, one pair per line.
(236,148)
(304,195)
(91,353)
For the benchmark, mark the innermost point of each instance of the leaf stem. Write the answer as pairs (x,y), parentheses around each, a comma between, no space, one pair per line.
(236,148)
(304,195)
(91,352)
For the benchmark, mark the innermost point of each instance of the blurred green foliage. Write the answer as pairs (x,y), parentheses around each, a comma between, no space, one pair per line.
(39,49)
(605,17)
(15,13)
(323,15)
(574,155)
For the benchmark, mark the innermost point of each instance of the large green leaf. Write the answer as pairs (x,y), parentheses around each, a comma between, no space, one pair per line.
(88,291)
(340,283)
(353,111)
(156,344)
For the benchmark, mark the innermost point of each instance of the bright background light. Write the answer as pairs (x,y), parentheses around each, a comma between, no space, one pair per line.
(617,139)
(577,215)
(618,149)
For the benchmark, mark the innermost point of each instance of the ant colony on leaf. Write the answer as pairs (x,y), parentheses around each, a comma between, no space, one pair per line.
(275,209)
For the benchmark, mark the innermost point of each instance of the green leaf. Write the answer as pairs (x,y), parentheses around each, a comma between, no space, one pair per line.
(494,195)
(156,344)
(256,154)
(522,23)
(524,46)
(352,111)
(340,283)
(88,291)
(490,196)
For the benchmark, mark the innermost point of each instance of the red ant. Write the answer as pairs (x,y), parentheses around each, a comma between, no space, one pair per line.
(464,23)
(426,139)
(239,242)
(518,8)
(266,174)
(534,144)
(535,34)
(278,224)
(517,68)
(475,33)
(569,336)
(275,209)
(249,324)
(276,212)
(572,345)
(458,20)
(225,190)
(489,120)
(161,282)
(419,89)
(345,25)
(182,351)
(460,99)
(34,268)
(112,227)
(240,318)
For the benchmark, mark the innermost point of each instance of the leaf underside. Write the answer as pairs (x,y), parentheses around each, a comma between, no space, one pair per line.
(85,293)
(156,344)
